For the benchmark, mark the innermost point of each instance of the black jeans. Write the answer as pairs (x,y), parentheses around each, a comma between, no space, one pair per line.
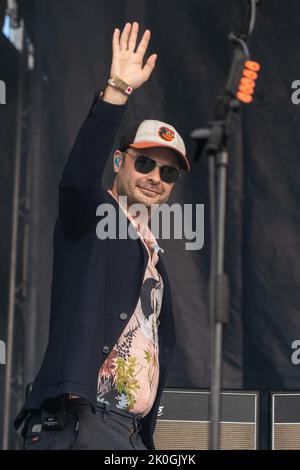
(107,429)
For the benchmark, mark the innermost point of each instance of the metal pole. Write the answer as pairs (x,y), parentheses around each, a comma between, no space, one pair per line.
(221,299)
(13,258)
(33,191)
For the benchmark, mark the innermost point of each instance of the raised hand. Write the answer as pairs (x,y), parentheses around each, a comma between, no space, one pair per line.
(127,60)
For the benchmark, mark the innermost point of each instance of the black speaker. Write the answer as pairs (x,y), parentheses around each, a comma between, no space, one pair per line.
(285,420)
(183,420)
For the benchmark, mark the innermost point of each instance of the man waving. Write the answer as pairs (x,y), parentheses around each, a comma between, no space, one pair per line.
(111,336)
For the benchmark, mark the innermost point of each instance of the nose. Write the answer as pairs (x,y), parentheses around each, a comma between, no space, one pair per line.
(154,175)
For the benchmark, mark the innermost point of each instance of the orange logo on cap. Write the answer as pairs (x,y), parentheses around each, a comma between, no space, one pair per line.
(166,134)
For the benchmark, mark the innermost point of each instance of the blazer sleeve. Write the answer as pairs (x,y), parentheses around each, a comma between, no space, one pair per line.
(81,184)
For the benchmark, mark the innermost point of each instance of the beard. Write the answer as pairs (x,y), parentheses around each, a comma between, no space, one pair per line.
(135,195)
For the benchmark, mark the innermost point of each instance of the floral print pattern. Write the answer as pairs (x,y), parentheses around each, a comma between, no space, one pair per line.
(128,379)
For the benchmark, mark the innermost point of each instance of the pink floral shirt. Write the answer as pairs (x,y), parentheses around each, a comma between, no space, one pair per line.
(129,377)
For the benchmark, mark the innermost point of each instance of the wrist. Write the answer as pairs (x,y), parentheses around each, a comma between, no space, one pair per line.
(114,96)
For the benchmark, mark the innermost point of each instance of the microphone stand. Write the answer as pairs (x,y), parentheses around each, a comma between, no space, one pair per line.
(215,139)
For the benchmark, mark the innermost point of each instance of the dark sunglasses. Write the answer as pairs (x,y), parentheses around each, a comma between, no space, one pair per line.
(168,174)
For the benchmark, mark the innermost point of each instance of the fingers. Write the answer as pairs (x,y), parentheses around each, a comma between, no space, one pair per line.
(128,39)
(116,40)
(149,66)
(144,43)
(125,36)
(133,36)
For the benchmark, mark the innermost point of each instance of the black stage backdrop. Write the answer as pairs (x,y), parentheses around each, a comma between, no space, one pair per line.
(73,42)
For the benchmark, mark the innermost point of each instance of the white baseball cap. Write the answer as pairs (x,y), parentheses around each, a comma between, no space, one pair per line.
(151,133)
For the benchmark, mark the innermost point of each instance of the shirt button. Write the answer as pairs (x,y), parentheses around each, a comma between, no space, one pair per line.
(105,349)
(123,316)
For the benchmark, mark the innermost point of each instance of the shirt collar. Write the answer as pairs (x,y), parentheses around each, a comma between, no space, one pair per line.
(143,229)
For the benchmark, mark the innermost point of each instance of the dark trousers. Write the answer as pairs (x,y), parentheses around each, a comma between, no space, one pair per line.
(107,429)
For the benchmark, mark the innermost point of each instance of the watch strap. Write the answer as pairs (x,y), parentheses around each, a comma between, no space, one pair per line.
(118,83)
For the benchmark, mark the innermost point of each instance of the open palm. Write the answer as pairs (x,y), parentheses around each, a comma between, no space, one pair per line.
(127,63)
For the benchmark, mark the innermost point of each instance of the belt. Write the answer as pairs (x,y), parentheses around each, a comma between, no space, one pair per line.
(106,407)
(113,409)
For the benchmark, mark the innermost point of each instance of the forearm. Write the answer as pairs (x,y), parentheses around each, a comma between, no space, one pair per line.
(114,96)
(91,149)
(81,183)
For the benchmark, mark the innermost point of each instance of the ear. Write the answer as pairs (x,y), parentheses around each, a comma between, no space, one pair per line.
(118,157)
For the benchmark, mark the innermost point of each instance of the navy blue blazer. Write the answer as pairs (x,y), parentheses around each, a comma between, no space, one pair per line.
(94,281)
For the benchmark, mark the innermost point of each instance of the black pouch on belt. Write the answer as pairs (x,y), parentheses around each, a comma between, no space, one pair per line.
(54,414)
